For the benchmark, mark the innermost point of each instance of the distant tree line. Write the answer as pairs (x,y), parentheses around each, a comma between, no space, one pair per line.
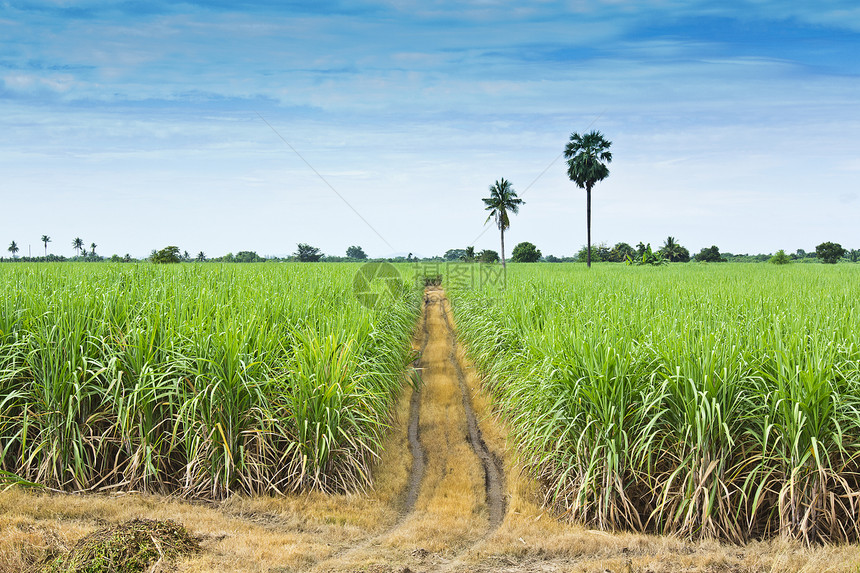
(670,251)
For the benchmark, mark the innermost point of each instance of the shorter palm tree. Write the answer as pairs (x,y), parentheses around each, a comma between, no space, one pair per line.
(93,248)
(469,255)
(502,199)
(46,239)
(13,248)
(78,244)
(670,248)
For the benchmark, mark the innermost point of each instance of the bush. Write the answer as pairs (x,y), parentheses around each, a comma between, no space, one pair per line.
(710,255)
(525,252)
(489,256)
(308,254)
(166,255)
(780,258)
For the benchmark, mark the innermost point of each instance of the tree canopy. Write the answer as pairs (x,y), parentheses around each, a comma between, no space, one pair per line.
(488,256)
(454,254)
(525,252)
(308,254)
(167,255)
(356,252)
(673,252)
(830,252)
(710,255)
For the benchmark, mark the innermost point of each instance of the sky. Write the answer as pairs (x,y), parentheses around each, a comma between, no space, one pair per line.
(224,126)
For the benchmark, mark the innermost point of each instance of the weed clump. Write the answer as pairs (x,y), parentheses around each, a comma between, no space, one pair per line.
(131,547)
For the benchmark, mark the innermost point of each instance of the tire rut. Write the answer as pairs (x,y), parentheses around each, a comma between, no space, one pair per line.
(419,459)
(494,476)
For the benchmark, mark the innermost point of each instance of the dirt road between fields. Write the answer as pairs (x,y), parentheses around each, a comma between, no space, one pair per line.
(455,495)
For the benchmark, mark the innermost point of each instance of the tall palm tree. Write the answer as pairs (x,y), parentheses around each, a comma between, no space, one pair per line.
(502,199)
(587,156)
(78,244)
(46,239)
(13,248)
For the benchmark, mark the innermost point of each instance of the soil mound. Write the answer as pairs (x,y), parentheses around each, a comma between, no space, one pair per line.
(131,547)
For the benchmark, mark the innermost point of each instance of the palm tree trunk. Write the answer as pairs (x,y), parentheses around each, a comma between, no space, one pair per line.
(588,220)
(503,251)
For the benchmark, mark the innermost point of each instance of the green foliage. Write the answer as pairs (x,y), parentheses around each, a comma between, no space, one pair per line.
(599,253)
(356,252)
(307,254)
(525,252)
(469,255)
(587,156)
(710,255)
(620,253)
(673,252)
(184,379)
(13,248)
(502,199)
(489,256)
(248,257)
(8,480)
(649,257)
(780,258)
(698,401)
(167,255)
(454,254)
(830,253)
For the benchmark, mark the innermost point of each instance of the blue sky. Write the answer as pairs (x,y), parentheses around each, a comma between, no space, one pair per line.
(137,125)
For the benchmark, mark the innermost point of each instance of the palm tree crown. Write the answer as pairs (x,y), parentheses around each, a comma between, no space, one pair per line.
(670,248)
(13,248)
(502,199)
(587,156)
(78,244)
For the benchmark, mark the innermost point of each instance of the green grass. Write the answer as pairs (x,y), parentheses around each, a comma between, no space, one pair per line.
(700,400)
(196,379)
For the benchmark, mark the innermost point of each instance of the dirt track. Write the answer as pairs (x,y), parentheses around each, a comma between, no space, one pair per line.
(456,491)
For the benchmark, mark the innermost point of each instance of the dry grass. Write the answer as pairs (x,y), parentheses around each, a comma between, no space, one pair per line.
(446,532)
